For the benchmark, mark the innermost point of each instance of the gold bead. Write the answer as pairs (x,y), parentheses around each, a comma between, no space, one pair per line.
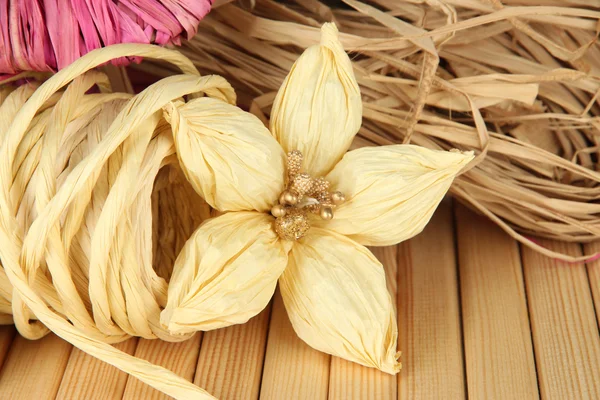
(288,197)
(302,184)
(293,225)
(320,185)
(324,199)
(326,213)
(278,211)
(314,208)
(294,162)
(338,198)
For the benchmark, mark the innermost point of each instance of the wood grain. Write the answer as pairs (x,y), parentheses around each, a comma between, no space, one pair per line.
(292,369)
(88,378)
(34,368)
(7,335)
(563,322)
(497,337)
(593,269)
(231,359)
(429,314)
(180,357)
(349,380)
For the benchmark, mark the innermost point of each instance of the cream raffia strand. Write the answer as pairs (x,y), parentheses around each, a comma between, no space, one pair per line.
(98,197)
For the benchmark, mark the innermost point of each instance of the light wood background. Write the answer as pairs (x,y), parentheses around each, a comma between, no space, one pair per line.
(480,317)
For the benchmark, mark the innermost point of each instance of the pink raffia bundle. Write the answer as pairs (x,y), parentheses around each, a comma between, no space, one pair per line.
(47,35)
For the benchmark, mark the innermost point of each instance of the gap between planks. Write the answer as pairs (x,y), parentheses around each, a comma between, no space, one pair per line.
(429,313)
(231,359)
(593,270)
(496,333)
(33,369)
(86,377)
(179,357)
(564,324)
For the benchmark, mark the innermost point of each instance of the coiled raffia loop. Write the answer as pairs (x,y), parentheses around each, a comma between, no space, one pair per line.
(94,207)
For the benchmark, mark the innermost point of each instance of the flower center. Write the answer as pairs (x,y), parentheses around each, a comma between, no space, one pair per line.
(302,195)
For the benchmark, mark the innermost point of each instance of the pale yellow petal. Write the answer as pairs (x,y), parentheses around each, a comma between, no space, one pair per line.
(225,274)
(227,155)
(318,109)
(391,191)
(335,295)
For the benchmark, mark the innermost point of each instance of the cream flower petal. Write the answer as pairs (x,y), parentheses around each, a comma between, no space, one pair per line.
(225,274)
(392,191)
(227,154)
(335,295)
(318,109)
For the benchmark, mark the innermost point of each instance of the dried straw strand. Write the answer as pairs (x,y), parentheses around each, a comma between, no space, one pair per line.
(516,80)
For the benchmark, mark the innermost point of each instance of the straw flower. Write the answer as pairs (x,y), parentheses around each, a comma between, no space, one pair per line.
(299,209)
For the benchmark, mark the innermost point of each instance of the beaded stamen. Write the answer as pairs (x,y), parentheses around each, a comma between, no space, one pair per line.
(303,194)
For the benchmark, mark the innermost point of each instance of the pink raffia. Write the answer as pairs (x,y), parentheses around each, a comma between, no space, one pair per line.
(47,35)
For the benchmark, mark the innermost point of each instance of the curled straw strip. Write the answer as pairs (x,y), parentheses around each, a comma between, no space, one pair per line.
(79,176)
(517,80)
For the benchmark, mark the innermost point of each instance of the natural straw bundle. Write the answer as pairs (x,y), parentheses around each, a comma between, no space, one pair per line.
(516,80)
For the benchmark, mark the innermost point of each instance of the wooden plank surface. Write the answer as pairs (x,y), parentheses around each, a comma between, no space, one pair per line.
(231,359)
(429,314)
(292,369)
(479,317)
(7,335)
(593,269)
(180,357)
(88,378)
(563,323)
(497,337)
(34,369)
